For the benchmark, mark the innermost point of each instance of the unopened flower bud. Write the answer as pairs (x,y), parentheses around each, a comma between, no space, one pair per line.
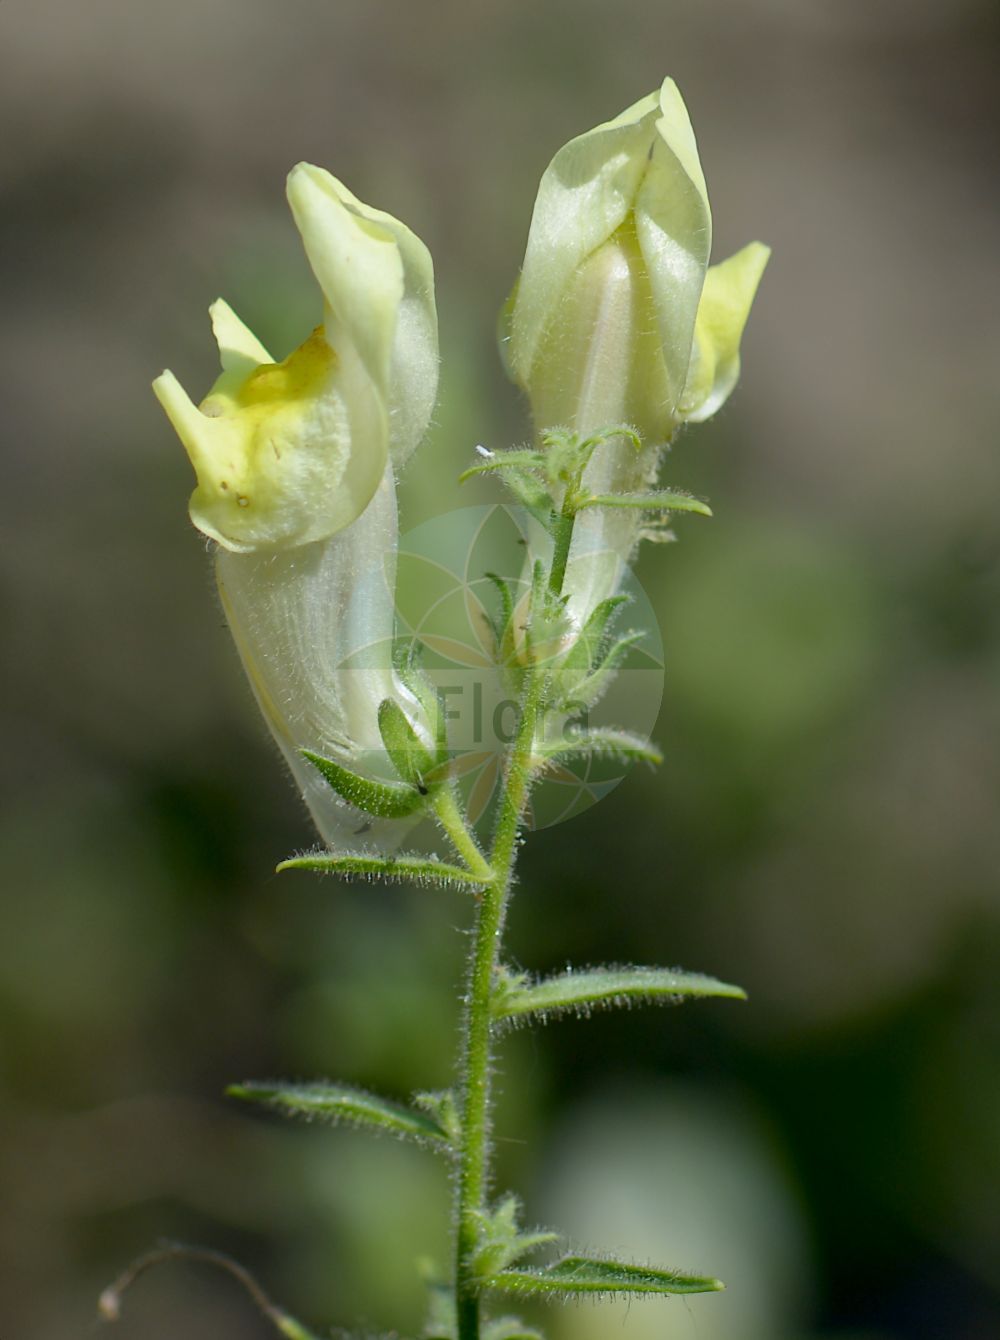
(617,317)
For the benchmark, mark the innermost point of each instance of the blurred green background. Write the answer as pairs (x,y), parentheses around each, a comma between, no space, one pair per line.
(824,830)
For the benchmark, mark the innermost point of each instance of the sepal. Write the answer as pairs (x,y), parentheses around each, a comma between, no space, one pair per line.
(548,629)
(533,496)
(384,800)
(593,644)
(406,659)
(503,625)
(568,453)
(508,637)
(408,753)
(586,691)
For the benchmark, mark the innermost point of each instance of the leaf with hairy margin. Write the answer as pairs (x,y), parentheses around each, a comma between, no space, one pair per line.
(363,865)
(527,459)
(337,1103)
(590,648)
(518,999)
(575,1275)
(659,500)
(618,744)
(593,687)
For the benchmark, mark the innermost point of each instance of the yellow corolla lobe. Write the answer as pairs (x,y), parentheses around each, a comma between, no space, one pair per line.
(276,446)
(301,376)
(290,453)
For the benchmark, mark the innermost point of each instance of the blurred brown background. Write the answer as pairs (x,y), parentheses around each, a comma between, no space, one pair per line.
(823,831)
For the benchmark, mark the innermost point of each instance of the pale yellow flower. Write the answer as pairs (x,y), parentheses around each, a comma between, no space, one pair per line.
(617,316)
(292,452)
(295,482)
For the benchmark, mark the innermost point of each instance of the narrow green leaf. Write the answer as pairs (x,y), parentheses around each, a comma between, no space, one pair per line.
(503,623)
(505,460)
(567,452)
(556,438)
(658,500)
(442,1107)
(500,1240)
(586,651)
(609,433)
(548,622)
(360,865)
(602,743)
(592,1275)
(518,998)
(532,495)
(385,800)
(617,652)
(588,691)
(410,756)
(343,1103)
(517,468)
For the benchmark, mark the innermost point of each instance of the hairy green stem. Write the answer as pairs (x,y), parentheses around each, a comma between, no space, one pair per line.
(563,538)
(474,1151)
(473,1171)
(563,534)
(461,836)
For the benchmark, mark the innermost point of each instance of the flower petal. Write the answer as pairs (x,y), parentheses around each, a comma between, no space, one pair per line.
(722,314)
(378,281)
(240,351)
(673,223)
(585,194)
(289,455)
(314,628)
(356,264)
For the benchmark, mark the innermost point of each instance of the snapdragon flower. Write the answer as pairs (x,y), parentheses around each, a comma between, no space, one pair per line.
(294,464)
(617,316)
